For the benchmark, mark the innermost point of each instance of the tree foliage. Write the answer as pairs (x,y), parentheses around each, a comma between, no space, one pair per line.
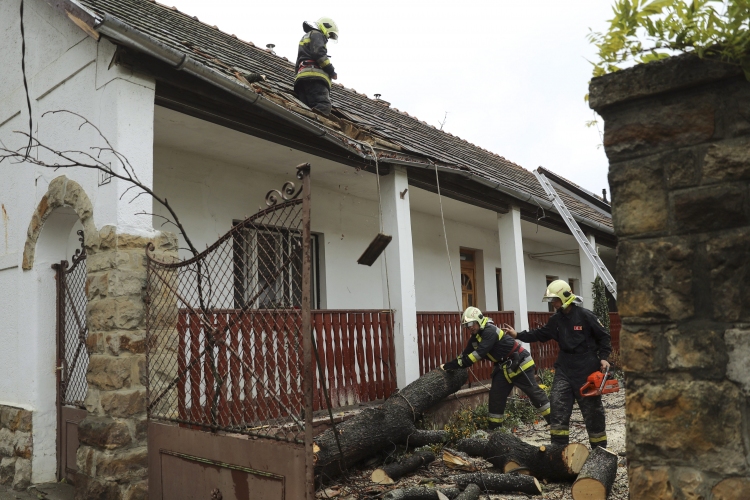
(601,307)
(642,31)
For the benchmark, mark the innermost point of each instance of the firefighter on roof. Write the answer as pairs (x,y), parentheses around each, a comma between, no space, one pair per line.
(513,365)
(584,348)
(314,70)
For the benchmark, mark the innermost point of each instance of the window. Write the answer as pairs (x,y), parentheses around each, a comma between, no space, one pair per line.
(550,279)
(268,269)
(499,284)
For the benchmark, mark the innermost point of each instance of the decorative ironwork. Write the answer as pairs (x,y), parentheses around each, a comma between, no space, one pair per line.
(225,328)
(73,356)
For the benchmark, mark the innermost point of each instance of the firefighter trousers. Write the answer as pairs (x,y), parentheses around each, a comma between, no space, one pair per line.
(503,381)
(562,397)
(315,93)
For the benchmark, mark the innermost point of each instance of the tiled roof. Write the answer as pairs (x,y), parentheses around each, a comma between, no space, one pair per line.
(226,53)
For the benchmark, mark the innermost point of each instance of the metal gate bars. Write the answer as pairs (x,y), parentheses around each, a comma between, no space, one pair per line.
(228,330)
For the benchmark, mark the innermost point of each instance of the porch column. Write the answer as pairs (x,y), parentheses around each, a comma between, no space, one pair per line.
(514,270)
(588,275)
(398,270)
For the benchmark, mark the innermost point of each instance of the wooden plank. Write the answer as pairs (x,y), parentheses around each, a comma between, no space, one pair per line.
(261,395)
(352,356)
(420,343)
(209,363)
(321,355)
(269,359)
(338,350)
(247,373)
(235,370)
(377,355)
(222,369)
(330,363)
(294,354)
(182,326)
(392,353)
(369,359)
(195,371)
(282,360)
(364,393)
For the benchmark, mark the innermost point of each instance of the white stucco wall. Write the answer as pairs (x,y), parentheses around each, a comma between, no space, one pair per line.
(66,70)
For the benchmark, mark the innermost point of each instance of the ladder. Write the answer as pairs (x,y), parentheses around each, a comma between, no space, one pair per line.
(580,237)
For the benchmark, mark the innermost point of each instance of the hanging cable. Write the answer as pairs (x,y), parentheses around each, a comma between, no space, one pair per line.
(25,83)
(445,237)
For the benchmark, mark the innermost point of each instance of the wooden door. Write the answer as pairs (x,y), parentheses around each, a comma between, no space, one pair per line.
(468,278)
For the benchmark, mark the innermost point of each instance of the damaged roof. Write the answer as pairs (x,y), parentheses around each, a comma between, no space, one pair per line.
(384,127)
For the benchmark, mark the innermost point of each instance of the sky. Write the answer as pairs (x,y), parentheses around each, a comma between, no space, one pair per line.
(511,75)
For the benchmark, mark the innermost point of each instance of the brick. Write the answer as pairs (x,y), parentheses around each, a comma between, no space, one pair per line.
(7,442)
(738,351)
(124,403)
(23,445)
(709,208)
(15,419)
(683,167)
(125,240)
(728,265)
(129,312)
(76,197)
(22,476)
(88,488)
(639,196)
(110,372)
(124,283)
(732,488)
(655,279)
(7,470)
(690,484)
(727,161)
(696,349)
(108,238)
(123,465)
(640,348)
(678,418)
(137,491)
(650,483)
(103,432)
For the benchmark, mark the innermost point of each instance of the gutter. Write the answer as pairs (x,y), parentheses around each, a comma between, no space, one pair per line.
(115,29)
(526,197)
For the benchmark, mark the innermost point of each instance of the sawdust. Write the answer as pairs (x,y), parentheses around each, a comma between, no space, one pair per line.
(357,484)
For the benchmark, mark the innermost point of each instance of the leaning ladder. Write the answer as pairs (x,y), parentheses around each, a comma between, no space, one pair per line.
(580,237)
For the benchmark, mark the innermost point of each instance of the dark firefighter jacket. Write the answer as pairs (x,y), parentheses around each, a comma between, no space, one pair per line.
(490,342)
(312,58)
(582,338)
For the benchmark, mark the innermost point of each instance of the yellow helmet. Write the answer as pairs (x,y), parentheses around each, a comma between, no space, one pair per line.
(329,28)
(472,314)
(559,289)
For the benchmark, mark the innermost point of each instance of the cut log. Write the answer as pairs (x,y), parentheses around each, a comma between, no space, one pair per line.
(470,493)
(389,474)
(597,476)
(392,423)
(508,453)
(420,493)
(500,483)
(454,459)
(423,438)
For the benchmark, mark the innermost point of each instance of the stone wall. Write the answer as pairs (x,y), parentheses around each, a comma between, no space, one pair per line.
(15,447)
(677,135)
(112,457)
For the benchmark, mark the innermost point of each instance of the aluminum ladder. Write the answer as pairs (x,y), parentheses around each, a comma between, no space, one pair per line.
(580,237)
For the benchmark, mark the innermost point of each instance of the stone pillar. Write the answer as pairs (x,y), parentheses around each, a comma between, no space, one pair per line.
(112,457)
(677,135)
(398,280)
(512,264)
(15,447)
(588,275)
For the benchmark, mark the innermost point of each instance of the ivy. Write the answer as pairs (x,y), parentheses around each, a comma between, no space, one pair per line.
(642,31)
(601,307)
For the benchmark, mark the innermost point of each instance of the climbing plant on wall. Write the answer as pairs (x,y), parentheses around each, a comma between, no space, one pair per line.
(601,307)
(642,31)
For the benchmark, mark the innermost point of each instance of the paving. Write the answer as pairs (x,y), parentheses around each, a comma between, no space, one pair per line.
(46,491)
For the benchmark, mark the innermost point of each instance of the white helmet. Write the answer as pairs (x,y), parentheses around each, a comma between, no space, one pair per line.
(471,315)
(329,28)
(559,289)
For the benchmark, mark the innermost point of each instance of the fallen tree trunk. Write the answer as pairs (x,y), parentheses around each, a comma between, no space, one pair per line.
(508,453)
(470,493)
(421,493)
(500,483)
(422,438)
(392,423)
(454,459)
(597,476)
(389,474)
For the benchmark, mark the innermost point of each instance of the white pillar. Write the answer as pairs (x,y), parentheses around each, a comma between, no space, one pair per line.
(398,281)
(514,270)
(588,275)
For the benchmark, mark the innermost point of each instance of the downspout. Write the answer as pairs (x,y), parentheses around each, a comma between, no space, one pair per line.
(526,197)
(115,29)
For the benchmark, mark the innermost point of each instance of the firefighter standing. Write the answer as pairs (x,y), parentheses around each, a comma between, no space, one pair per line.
(584,349)
(513,365)
(314,70)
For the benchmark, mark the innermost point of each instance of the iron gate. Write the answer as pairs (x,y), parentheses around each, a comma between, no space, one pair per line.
(72,357)
(230,360)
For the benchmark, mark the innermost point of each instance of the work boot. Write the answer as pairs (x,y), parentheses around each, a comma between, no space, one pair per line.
(546,418)
(603,444)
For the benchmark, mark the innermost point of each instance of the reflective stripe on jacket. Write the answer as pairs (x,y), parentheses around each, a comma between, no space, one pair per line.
(490,342)
(312,58)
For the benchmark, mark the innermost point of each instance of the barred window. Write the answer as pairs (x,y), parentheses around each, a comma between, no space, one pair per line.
(268,268)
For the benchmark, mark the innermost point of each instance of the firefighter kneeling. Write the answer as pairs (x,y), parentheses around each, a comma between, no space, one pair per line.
(513,365)
(584,349)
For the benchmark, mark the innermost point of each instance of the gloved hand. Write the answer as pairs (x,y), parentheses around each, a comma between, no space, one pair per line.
(451,365)
(515,362)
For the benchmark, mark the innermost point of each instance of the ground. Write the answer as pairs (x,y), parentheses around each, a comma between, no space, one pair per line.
(358,484)
(50,491)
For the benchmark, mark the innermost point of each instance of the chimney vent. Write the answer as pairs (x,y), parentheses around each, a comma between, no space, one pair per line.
(604,195)
(270,47)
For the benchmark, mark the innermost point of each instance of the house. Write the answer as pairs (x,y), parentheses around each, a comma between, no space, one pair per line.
(175,101)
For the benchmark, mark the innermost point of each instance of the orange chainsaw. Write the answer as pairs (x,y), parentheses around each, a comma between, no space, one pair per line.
(599,383)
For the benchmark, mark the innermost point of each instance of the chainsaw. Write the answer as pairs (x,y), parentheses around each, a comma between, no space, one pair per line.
(599,383)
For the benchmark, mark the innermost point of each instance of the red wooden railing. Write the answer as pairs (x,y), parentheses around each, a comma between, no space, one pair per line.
(441,339)
(545,354)
(355,348)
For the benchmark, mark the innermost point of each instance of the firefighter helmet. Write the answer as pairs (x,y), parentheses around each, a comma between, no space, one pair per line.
(471,315)
(329,28)
(558,289)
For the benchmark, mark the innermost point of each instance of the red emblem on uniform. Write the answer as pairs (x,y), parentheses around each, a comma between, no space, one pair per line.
(577,328)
